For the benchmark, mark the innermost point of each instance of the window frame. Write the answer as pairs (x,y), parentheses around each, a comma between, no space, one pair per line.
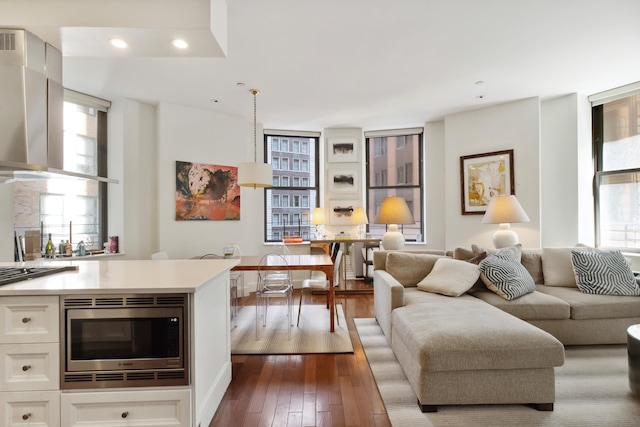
(598,146)
(299,150)
(375,150)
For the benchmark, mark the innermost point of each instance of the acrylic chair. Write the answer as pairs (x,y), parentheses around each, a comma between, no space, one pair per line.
(322,284)
(273,283)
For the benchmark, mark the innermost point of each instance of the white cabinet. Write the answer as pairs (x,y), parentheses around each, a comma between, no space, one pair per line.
(140,408)
(29,319)
(29,361)
(22,409)
(29,367)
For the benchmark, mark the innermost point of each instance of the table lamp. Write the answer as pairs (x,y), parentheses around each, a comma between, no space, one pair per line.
(504,210)
(394,211)
(359,218)
(318,219)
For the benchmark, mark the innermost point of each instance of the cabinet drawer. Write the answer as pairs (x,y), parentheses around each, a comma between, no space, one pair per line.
(29,319)
(29,367)
(148,408)
(22,409)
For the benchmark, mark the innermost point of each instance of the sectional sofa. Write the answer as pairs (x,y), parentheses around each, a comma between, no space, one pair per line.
(478,346)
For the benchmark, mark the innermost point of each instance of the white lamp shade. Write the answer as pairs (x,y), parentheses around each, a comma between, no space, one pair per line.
(394,210)
(504,209)
(359,216)
(253,174)
(318,217)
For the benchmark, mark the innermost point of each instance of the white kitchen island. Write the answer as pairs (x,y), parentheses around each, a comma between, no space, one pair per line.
(34,395)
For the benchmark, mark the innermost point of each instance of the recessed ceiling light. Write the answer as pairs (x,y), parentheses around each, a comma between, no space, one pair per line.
(180,44)
(240,84)
(213,100)
(479,82)
(119,43)
(480,97)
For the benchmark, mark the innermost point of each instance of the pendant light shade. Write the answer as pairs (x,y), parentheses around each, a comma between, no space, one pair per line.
(254,174)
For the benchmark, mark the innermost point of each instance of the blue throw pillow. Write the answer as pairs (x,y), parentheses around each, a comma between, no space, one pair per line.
(603,273)
(504,275)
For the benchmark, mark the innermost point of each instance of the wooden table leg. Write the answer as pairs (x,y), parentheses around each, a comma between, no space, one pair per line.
(329,272)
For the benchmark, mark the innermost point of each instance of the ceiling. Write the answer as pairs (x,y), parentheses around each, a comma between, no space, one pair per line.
(371,64)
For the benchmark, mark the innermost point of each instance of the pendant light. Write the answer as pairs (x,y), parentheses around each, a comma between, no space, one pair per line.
(254,174)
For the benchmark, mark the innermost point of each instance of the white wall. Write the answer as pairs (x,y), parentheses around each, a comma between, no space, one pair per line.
(566,196)
(435,188)
(507,126)
(6,222)
(195,135)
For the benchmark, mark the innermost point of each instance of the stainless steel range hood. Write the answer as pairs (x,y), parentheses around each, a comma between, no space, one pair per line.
(31,109)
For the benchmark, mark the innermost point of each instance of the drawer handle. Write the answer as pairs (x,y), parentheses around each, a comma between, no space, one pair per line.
(125,414)
(25,368)
(26,416)
(26,319)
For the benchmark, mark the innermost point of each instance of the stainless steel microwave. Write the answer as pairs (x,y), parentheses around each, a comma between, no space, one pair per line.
(124,340)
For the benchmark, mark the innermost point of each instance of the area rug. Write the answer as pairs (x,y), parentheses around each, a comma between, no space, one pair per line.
(592,389)
(312,336)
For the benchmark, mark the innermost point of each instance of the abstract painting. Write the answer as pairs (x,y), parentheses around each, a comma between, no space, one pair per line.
(342,150)
(206,192)
(483,176)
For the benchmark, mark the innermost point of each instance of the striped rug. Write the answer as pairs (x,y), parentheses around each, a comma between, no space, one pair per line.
(312,336)
(592,389)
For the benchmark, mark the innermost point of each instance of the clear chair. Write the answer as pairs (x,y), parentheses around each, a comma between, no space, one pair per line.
(320,283)
(273,283)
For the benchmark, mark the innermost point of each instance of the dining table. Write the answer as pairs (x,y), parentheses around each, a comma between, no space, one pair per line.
(318,262)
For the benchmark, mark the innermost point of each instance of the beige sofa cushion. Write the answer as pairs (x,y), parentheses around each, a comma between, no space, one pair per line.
(590,306)
(380,256)
(516,250)
(557,268)
(450,277)
(533,306)
(409,268)
(460,334)
(531,259)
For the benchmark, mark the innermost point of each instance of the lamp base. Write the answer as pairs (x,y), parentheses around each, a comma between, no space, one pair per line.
(505,237)
(393,240)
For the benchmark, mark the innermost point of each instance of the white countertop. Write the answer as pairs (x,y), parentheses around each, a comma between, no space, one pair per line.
(117,276)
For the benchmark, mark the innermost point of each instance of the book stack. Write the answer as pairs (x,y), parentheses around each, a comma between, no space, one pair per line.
(288,240)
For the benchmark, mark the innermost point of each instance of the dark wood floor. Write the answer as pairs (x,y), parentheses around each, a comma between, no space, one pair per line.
(306,390)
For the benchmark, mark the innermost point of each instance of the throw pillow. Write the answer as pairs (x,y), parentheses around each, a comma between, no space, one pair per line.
(450,277)
(557,268)
(603,273)
(504,275)
(408,268)
(516,250)
(463,253)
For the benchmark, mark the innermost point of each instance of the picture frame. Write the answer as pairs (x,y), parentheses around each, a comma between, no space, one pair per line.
(342,150)
(341,211)
(483,176)
(344,179)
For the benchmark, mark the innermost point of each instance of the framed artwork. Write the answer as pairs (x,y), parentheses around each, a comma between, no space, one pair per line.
(206,192)
(483,176)
(343,179)
(342,150)
(341,211)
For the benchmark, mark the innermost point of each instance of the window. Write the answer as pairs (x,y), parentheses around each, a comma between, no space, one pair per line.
(398,152)
(275,144)
(276,219)
(276,181)
(73,210)
(275,163)
(302,196)
(616,147)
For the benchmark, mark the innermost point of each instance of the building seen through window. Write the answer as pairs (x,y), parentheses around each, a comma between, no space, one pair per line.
(289,203)
(394,169)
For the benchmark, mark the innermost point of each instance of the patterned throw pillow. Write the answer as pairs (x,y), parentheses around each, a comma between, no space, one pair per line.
(504,275)
(603,273)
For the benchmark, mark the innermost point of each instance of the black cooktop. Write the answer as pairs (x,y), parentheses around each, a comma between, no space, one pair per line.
(17,274)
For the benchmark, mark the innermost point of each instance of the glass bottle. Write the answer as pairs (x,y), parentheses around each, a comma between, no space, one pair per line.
(68,249)
(50,250)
